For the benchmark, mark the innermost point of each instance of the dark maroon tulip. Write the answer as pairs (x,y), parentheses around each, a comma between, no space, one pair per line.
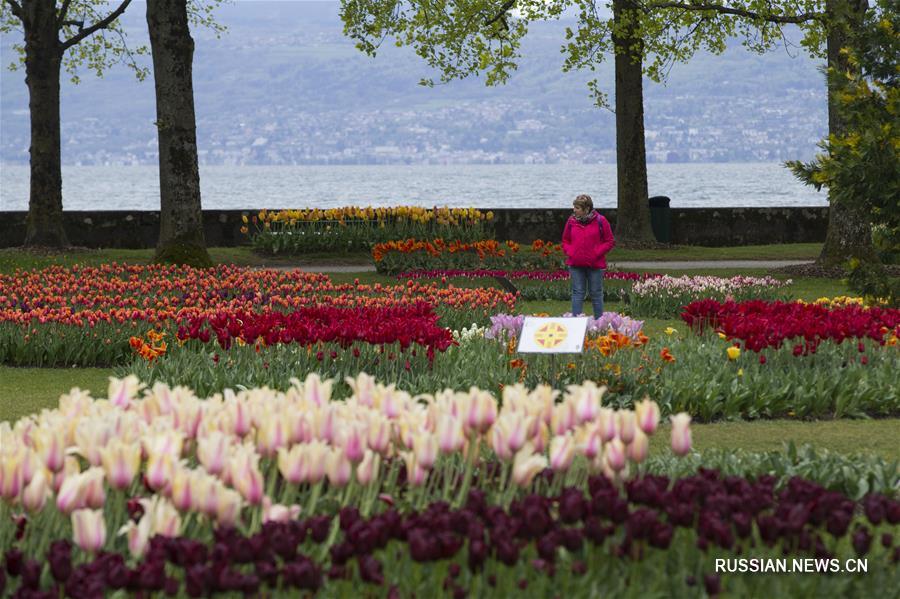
(804,541)
(303,574)
(14,562)
(152,575)
(171,586)
(459,592)
(874,506)
(476,502)
(681,514)
(743,524)
(862,540)
(477,554)
(661,537)
(21,522)
(579,568)
(546,547)
(536,519)
(31,574)
(393,592)
(336,572)
(892,511)
(348,515)
(60,559)
(571,506)
(370,570)
(341,553)
(267,572)
(797,517)
(838,522)
(713,584)
(363,536)
(492,580)
(507,552)
(195,580)
(319,528)
(769,528)
(116,574)
(422,545)
(135,509)
(454,570)
(594,531)
(523,584)
(887,540)
(571,538)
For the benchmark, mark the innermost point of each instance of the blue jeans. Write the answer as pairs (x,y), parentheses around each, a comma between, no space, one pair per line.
(582,278)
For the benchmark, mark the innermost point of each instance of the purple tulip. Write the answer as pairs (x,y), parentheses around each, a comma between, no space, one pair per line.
(713,584)
(14,562)
(874,506)
(862,540)
(370,570)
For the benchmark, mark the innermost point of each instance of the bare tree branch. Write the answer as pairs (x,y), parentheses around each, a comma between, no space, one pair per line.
(739,12)
(102,24)
(63,11)
(501,13)
(16,9)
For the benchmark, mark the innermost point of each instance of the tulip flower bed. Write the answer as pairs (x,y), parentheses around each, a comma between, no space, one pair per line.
(86,316)
(664,297)
(355,228)
(260,492)
(536,284)
(394,257)
(762,324)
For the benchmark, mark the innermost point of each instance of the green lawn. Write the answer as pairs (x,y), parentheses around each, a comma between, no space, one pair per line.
(13,258)
(25,391)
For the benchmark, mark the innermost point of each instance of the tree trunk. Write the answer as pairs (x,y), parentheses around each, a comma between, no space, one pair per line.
(849,232)
(43,57)
(181,218)
(633,212)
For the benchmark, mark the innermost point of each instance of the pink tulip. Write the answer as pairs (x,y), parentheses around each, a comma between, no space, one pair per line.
(317,454)
(242,417)
(367,471)
(292,464)
(354,444)
(246,477)
(212,452)
(94,490)
(122,391)
(301,430)
(180,491)
(627,426)
(277,512)
(34,497)
(500,443)
(160,467)
(614,455)
(451,437)
(425,446)
(271,435)
(379,434)
(527,465)
(11,475)
(121,461)
(415,474)
(681,434)
(608,428)
(639,447)
(339,469)
(51,448)
(647,415)
(89,529)
(562,452)
(228,507)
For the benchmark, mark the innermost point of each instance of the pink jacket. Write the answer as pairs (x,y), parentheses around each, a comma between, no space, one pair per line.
(586,245)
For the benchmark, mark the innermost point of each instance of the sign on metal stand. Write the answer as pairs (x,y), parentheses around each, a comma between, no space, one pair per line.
(553,336)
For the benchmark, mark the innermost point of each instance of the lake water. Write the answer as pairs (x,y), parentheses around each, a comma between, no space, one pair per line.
(480,186)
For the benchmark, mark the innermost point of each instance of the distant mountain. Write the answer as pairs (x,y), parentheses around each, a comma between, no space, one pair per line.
(284,86)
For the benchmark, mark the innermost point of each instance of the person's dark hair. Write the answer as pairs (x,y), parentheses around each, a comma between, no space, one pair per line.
(584,202)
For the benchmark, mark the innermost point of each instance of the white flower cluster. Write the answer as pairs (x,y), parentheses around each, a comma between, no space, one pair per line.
(467,334)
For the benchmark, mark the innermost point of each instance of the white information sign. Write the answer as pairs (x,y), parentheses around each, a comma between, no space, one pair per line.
(553,335)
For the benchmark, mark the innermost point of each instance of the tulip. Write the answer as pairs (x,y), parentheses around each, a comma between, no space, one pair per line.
(34,497)
(51,448)
(271,435)
(205,491)
(562,452)
(627,426)
(527,465)
(138,536)
(121,462)
(300,427)
(607,428)
(647,415)
(70,496)
(11,475)
(241,413)
(212,451)
(639,447)
(317,391)
(499,443)
(94,495)
(353,443)
(614,455)
(379,433)
(277,512)
(89,529)
(292,464)
(228,507)
(367,470)
(180,489)
(415,474)
(165,519)
(733,352)
(515,426)
(590,443)
(482,411)
(90,436)
(160,467)
(588,403)
(317,454)
(425,447)
(563,419)
(325,425)
(681,434)
(451,436)
(245,475)
(122,391)
(338,468)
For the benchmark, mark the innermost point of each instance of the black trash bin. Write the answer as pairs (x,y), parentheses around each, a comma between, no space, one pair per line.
(661,218)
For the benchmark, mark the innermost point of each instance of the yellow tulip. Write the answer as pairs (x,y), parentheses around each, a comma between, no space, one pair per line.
(733,352)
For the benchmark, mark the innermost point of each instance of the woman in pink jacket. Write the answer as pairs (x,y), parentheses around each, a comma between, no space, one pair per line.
(586,240)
